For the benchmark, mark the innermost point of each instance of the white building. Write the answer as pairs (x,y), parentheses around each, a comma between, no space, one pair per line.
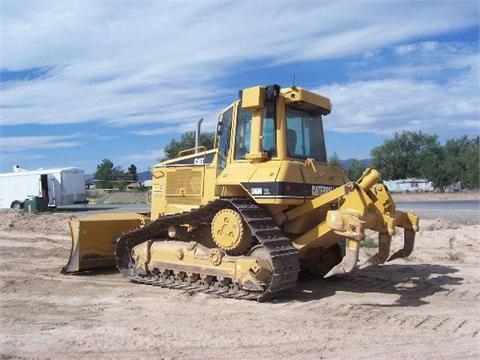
(409,185)
(64,186)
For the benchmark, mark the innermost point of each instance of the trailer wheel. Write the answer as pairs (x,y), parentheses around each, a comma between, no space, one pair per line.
(17,205)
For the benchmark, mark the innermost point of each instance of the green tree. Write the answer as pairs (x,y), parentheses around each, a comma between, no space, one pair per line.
(334,160)
(472,163)
(457,160)
(436,168)
(187,141)
(405,155)
(461,161)
(356,169)
(107,174)
(104,174)
(131,174)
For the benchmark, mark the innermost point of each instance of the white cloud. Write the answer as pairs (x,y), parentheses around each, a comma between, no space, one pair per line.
(427,86)
(424,46)
(129,32)
(180,128)
(406,49)
(144,159)
(127,62)
(425,60)
(388,105)
(24,143)
(430,45)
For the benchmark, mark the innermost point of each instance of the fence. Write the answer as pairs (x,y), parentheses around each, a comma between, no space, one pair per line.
(96,193)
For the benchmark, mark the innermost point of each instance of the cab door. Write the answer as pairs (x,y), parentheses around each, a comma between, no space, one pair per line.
(224,131)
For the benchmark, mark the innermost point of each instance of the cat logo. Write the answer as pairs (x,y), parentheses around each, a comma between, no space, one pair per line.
(199,161)
(318,190)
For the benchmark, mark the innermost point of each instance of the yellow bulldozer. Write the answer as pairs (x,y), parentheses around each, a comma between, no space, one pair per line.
(243,219)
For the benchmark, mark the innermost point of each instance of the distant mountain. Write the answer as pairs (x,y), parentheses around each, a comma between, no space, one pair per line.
(89,179)
(345,164)
(144,176)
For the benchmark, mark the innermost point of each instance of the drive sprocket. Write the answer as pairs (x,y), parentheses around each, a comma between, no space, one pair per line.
(230,233)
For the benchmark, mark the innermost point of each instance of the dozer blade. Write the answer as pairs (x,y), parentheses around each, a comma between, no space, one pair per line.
(384,241)
(409,243)
(349,260)
(93,240)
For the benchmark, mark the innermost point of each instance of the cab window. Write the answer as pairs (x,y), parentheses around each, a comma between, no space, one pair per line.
(305,137)
(225,125)
(269,130)
(243,131)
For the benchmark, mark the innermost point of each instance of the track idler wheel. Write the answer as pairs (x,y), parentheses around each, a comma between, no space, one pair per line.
(230,233)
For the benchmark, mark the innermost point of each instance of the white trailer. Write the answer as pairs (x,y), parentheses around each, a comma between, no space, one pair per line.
(63,186)
(409,185)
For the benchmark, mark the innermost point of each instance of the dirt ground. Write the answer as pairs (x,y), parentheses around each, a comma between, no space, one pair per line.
(423,307)
(121,198)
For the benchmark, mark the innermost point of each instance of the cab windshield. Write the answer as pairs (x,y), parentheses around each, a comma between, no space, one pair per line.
(305,137)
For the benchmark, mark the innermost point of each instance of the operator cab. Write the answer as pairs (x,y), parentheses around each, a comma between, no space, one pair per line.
(273,123)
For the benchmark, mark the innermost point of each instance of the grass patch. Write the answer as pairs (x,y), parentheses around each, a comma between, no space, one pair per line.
(369,243)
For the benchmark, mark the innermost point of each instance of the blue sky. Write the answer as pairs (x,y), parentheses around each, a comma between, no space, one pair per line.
(82,81)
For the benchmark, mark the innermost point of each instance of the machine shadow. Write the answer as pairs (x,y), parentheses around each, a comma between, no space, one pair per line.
(92,273)
(412,283)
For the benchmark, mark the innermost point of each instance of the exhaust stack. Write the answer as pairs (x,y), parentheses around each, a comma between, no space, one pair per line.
(197,135)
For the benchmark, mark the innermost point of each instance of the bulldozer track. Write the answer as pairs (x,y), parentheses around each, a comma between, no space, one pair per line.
(282,255)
